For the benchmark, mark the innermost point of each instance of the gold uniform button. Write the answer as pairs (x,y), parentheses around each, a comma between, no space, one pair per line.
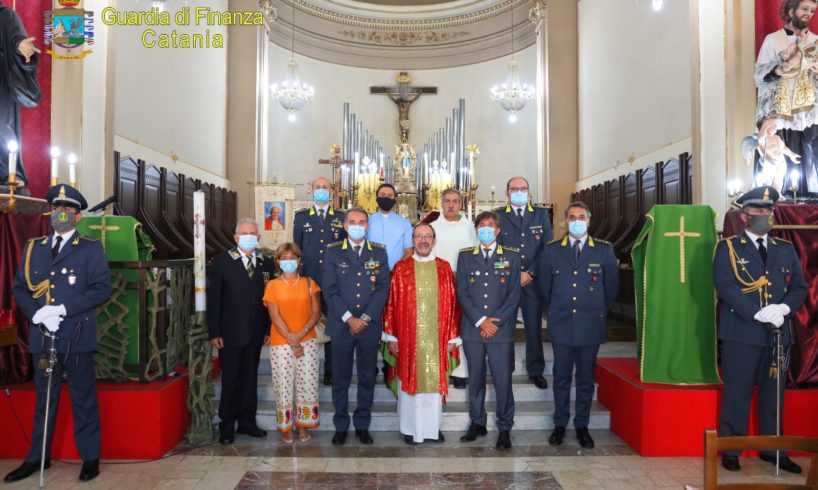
(321,251)
(522,234)
(522,256)
(485,284)
(359,273)
(320,261)
(358,295)
(359,284)
(522,245)
(53,300)
(485,307)
(769,284)
(485,295)
(53,286)
(53,273)
(769,295)
(573,311)
(575,284)
(575,273)
(357,306)
(575,298)
(322,240)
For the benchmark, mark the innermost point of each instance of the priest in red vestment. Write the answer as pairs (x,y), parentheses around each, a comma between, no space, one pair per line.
(422,332)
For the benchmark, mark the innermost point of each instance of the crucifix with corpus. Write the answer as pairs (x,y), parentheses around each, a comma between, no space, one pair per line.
(403,95)
(336,161)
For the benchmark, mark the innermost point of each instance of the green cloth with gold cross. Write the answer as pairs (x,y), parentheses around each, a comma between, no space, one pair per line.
(675,295)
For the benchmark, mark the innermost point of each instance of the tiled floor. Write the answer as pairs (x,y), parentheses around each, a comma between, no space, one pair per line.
(389,463)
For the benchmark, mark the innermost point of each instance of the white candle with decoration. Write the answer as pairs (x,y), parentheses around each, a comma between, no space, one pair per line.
(12,147)
(55,165)
(199,257)
(72,170)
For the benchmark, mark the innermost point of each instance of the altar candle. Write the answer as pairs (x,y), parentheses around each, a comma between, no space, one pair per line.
(72,170)
(12,159)
(468,211)
(55,164)
(199,278)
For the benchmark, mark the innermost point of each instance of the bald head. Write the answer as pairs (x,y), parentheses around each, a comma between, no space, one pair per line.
(321,183)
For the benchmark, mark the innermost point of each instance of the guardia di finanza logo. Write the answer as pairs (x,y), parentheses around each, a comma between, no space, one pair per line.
(71,29)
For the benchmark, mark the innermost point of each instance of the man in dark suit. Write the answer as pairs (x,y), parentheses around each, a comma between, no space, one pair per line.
(761,283)
(239,325)
(355,274)
(314,228)
(579,279)
(62,278)
(527,228)
(488,289)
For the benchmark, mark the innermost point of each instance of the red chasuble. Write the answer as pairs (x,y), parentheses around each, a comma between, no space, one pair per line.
(400,320)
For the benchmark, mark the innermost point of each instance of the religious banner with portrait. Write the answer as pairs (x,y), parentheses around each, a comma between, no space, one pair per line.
(274,213)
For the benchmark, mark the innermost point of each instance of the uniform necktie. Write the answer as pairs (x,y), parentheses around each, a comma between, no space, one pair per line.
(576,251)
(56,248)
(250,268)
(486,254)
(520,213)
(762,250)
(357,249)
(321,215)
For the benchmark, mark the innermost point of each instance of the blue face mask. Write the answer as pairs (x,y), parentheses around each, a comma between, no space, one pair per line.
(519,198)
(320,195)
(485,234)
(356,232)
(577,228)
(248,242)
(288,266)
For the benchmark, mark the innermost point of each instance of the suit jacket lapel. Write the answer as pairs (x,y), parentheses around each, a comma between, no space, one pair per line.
(67,249)
(751,251)
(511,217)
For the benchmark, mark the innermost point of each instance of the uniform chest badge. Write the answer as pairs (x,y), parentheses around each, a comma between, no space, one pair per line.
(64,270)
(502,279)
(72,279)
(476,273)
(742,261)
(472,280)
(502,264)
(372,278)
(372,264)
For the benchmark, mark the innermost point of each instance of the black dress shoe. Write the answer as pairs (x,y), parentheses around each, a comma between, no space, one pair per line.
(440,437)
(25,470)
(504,440)
(90,470)
(459,383)
(539,381)
(364,436)
(252,431)
(730,463)
(327,379)
(557,436)
(473,433)
(227,437)
(785,463)
(410,440)
(339,438)
(584,438)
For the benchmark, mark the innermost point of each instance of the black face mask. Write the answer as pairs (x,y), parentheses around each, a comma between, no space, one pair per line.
(386,203)
(760,224)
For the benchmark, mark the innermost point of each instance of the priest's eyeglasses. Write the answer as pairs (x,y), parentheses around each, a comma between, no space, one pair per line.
(425,237)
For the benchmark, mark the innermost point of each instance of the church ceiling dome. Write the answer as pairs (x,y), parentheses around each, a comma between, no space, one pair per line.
(404,34)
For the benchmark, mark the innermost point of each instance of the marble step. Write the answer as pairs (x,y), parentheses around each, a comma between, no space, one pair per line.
(524,390)
(529,415)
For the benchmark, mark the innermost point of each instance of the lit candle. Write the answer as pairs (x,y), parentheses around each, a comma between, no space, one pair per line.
(12,146)
(72,169)
(199,278)
(55,164)
(468,211)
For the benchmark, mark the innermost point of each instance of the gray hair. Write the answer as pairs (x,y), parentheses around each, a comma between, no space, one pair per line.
(357,209)
(414,229)
(578,204)
(508,183)
(246,221)
(450,191)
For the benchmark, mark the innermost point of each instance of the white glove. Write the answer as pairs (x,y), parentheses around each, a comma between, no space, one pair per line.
(763,315)
(47,311)
(770,314)
(776,320)
(52,323)
(781,308)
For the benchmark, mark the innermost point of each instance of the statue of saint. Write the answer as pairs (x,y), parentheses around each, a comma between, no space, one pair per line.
(18,85)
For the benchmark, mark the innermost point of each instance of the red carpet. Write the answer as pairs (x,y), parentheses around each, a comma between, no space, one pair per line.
(139,421)
(668,420)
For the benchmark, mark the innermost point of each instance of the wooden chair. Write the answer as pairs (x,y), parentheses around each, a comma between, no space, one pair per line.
(713,444)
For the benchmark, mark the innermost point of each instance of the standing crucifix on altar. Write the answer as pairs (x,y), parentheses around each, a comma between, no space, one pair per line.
(403,95)
(336,161)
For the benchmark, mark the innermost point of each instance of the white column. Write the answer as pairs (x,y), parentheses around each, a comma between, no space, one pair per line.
(537,15)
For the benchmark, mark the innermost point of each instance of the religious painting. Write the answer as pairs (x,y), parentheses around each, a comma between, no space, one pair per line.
(274,212)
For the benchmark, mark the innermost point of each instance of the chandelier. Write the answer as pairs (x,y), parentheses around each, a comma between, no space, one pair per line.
(512,94)
(292,94)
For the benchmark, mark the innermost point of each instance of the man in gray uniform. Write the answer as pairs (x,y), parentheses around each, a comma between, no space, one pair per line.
(488,289)
(579,280)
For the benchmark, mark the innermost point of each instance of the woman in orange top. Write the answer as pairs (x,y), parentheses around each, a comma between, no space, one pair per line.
(295,307)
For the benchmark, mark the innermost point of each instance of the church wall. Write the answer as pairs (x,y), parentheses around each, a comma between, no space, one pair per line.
(506,149)
(171,104)
(634,86)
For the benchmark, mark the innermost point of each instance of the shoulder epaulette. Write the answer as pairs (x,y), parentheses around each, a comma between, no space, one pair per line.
(335,244)
(724,239)
(301,210)
(378,245)
(89,238)
(776,239)
(513,249)
(499,209)
(554,241)
(38,238)
(467,249)
(599,240)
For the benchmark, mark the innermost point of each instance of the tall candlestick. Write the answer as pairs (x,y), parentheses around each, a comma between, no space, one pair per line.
(55,165)
(72,170)
(199,257)
(12,146)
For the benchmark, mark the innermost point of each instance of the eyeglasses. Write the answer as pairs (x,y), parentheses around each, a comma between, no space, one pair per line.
(572,217)
(518,189)
(424,237)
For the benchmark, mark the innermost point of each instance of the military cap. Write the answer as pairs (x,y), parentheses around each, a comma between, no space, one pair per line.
(760,197)
(65,195)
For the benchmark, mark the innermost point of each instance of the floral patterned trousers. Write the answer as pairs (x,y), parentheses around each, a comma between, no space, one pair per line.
(299,375)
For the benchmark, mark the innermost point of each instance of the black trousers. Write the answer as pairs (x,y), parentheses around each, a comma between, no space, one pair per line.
(239,399)
(82,386)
